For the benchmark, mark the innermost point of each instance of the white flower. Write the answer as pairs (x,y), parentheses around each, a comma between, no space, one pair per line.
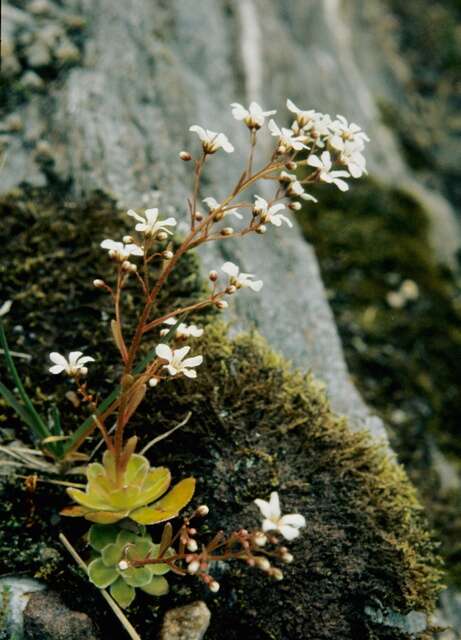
(253,117)
(324,163)
(241,280)
(353,159)
(183,330)
(213,204)
(288,526)
(287,138)
(120,250)
(295,188)
(150,224)
(270,214)
(73,365)
(212,141)
(343,132)
(176,362)
(303,118)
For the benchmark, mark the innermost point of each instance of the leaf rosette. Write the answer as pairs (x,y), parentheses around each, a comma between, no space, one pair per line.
(113,567)
(137,492)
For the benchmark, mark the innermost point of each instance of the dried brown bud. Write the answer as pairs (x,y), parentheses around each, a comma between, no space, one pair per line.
(221,304)
(213,276)
(291,165)
(227,231)
(261,229)
(185,155)
(198,216)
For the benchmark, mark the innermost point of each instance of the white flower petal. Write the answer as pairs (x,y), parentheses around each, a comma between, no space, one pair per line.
(274,503)
(289,533)
(294,520)
(163,351)
(231,269)
(195,361)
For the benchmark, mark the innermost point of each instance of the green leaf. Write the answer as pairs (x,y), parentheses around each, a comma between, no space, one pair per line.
(126,537)
(122,593)
(100,575)
(169,506)
(88,500)
(158,586)
(40,428)
(112,554)
(136,576)
(99,536)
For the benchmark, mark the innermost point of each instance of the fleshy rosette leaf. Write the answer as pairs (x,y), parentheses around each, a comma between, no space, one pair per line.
(138,493)
(114,566)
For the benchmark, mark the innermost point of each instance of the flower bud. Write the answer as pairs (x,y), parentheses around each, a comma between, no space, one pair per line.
(291,165)
(167,255)
(260,539)
(219,215)
(262,563)
(295,206)
(282,149)
(198,216)
(288,558)
(221,304)
(227,231)
(127,239)
(162,235)
(185,155)
(214,586)
(231,289)
(192,545)
(193,567)
(213,276)
(99,284)
(83,371)
(276,573)
(261,229)
(123,565)
(202,510)
(153,382)
(126,265)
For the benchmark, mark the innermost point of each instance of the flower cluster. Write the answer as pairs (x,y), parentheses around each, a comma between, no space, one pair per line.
(125,488)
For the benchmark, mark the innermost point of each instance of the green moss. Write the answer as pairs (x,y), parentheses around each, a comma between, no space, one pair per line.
(407,361)
(256,426)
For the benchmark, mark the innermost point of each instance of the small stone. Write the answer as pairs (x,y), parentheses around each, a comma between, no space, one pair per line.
(186,623)
(13,123)
(67,52)
(47,618)
(31,80)
(38,55)
(39,7)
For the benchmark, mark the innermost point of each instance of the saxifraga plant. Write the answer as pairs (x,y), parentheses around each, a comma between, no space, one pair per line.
(124,494)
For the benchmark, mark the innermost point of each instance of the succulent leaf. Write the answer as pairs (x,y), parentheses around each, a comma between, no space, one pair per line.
(158,586)
(122,593)
(136,576)
(112,554)
(101,575)
(99,536)
(105,517)
(169,506)
(132,492)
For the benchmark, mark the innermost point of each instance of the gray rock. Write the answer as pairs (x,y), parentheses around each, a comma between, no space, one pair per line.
(186,623)
(38,55)
(47,618)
